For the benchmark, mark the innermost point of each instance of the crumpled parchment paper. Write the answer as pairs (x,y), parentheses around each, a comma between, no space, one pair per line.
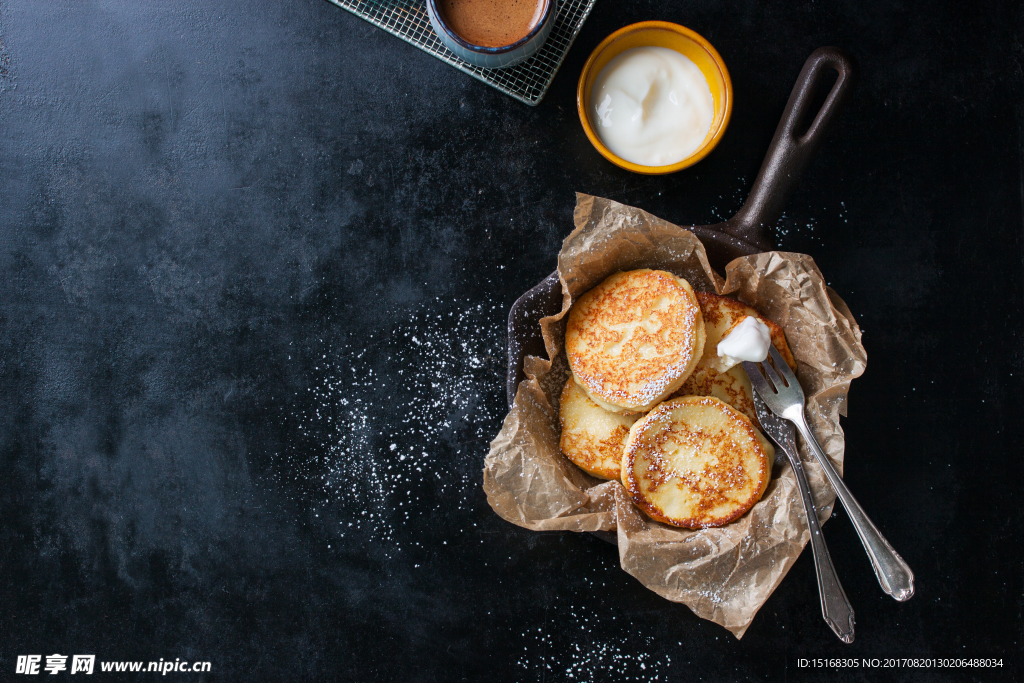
(723,574)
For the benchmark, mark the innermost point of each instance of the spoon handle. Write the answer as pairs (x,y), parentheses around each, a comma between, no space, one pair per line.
(835,606)
(892,572)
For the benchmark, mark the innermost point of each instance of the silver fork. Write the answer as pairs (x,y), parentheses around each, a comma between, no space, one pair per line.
(835,606)
(784,397)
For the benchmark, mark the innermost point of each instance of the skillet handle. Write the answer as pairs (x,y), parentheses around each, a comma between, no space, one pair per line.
(788,154)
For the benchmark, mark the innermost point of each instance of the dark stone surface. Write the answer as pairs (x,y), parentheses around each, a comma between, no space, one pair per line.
(240,240)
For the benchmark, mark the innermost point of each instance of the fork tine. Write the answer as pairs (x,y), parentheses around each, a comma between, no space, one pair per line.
(774,427)
(780,362)
(779,383)
(784,370)
(757,380)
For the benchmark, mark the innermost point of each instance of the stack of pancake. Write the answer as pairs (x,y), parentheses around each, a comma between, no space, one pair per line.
(651,403)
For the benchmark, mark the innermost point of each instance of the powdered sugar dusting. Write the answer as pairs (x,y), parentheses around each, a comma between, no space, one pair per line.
(577,655)
(374,453)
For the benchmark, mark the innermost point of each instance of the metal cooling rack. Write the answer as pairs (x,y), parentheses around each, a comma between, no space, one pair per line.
(527,82)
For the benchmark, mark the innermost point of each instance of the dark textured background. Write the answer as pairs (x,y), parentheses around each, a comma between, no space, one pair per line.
(222,225)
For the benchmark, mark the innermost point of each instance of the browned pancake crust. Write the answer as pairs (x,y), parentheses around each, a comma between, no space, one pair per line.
(592,437)
(633,339)
(726,386)
(714,306)
(732,386)
(716,485)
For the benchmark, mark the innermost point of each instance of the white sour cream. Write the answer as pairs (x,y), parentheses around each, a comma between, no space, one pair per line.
(749,340)
(652,106)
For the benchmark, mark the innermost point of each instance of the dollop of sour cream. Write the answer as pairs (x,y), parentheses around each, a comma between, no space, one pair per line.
(749,340)
(653,106)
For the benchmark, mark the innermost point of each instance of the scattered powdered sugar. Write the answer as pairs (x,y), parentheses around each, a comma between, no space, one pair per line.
(395,422)
(787,227)
(729,204)
(787,230)
(578,654)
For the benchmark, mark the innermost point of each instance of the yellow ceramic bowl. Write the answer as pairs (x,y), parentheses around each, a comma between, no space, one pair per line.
(675,37)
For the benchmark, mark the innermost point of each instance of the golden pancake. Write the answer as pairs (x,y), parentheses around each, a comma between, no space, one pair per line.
(696,462)
(592,437)
(731,384)
(721,314)
(634,339)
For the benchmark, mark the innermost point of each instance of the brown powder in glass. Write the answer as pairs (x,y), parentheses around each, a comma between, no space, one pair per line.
(491,23)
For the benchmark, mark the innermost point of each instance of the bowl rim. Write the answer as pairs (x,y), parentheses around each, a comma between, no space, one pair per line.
(482,49)
(701,151)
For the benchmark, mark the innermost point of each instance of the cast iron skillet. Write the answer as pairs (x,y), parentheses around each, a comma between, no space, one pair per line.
(743,234)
